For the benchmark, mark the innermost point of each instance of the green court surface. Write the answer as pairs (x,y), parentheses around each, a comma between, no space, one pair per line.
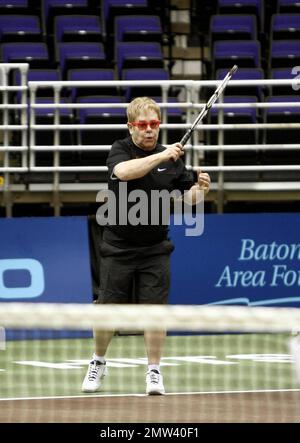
(190,364)
(208,378)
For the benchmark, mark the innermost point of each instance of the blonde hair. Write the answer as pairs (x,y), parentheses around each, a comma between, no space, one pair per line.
(139,105)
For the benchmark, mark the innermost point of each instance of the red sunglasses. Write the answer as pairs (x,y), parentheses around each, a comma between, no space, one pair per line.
(142,125)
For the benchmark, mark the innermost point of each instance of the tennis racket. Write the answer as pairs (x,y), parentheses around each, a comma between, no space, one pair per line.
(209,104)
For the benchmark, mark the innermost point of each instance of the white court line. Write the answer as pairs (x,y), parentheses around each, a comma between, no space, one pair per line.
(256,391)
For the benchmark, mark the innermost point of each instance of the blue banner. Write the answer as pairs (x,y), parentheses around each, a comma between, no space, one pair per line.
(45,260)
(248,259)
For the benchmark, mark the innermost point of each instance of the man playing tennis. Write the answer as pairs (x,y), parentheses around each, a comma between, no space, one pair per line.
(137,256)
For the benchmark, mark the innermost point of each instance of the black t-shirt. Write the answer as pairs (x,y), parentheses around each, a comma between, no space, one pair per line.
(168,176)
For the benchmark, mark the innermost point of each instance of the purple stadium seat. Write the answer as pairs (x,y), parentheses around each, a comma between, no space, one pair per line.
(284,53)
(111,8)
(19,28)
(138,28)
(14,6)
(94,75)
(138,55)
(36,54)
(285,26)
(283,110)
(49,112)
(52,8)
(243,74)
(245,53)
(232,113)
(281,74)
(255,7)
(289,6)
(80,55)
(78,28)
(43,75)
(144,74)
(228,27)
(48,75)
(104,113)
(283,114)
(107,115)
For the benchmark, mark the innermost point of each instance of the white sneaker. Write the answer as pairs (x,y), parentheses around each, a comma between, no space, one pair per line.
(154,382)
(95,373)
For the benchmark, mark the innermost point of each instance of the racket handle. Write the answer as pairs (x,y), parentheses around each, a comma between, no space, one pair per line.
(186,137)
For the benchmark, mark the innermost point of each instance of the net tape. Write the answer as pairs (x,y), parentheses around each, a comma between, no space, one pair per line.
(149,317)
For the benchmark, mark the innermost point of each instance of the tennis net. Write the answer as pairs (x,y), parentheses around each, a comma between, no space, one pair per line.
(220,364)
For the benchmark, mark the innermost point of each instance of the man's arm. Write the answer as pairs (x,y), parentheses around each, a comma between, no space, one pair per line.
(197,192)
(139,167)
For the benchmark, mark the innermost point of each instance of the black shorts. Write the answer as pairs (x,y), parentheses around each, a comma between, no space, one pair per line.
(135,275)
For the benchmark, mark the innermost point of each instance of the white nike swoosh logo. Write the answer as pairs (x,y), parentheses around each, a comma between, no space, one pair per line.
(161,169)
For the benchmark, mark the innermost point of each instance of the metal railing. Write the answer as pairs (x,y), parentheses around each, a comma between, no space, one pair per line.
(29,126)
(7,129)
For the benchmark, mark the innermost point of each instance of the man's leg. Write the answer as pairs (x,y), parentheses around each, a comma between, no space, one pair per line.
(115,281)
(97,368)
(102,340)
(153,286)
(154,342)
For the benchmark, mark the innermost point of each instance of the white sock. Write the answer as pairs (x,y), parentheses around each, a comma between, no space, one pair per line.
(153,367)
(98,358)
